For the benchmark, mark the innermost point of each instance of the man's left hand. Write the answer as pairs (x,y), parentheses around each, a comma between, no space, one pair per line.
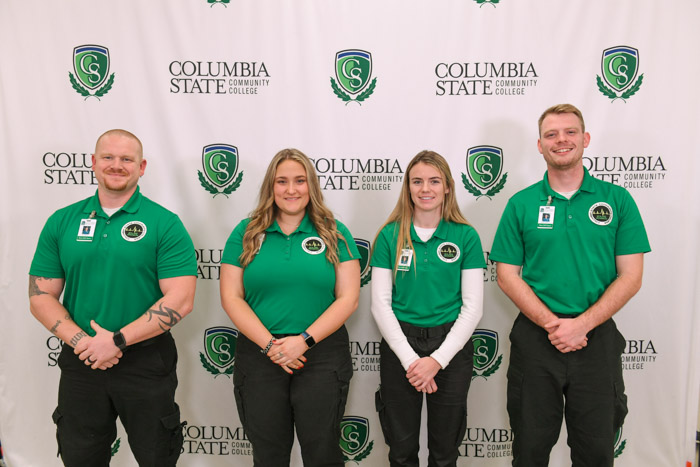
(567,334)
(100,352)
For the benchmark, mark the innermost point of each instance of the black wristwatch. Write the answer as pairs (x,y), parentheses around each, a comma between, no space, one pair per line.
(310,341)
(119,340)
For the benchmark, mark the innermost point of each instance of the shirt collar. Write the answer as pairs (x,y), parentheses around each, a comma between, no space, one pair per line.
(587,185)
(440,232)
(131,206)
(306,226)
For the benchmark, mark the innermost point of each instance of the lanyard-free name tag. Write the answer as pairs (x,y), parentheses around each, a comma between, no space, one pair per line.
(86,231)
(405,260)
(545,219)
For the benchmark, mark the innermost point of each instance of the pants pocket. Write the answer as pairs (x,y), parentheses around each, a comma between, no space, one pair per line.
(171,424)
(620,406)
(57,416)
(381,412)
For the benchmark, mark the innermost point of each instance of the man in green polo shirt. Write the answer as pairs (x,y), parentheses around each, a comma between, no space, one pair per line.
(127,269)
(579,244)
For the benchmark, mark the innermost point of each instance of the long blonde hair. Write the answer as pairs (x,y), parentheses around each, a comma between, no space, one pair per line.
(403,212)
(264,214)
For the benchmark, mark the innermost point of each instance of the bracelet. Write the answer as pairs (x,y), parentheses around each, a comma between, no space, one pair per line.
(269,346)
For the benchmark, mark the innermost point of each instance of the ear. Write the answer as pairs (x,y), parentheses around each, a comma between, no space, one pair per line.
(142,167)
(586,139)
(539,146)
(93,162)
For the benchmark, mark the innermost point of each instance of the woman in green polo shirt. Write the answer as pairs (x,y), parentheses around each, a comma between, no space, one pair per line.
(290,277)
(427,294)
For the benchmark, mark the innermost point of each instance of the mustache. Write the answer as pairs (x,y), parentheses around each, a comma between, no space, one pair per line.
(116,172)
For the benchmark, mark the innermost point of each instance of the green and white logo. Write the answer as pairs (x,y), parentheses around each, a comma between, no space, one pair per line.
(493,3)
(91,66)
(353,69)
(484,167)
(219,350)
(220,163)
(354,437)
(619,67)
(313,245)
(485,352)
(619,443)
(365,270)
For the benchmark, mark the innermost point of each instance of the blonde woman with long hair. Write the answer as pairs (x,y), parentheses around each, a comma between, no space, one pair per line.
(290,278)
(427,294)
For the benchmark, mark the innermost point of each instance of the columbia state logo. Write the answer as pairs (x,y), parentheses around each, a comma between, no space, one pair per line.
(220,164)
(219,350)
(601,213)
(353,70)
(219,2)
(493,3)
(133,231)
(365,249)
(91,66)
(484,168)
(313,245)
(448,252)
(619,66)
(354,438)
(485,352)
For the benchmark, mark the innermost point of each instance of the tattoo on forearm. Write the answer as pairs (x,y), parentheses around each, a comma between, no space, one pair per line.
(34,288)
(67,317)
(167,317)
(74,341)
(55,326)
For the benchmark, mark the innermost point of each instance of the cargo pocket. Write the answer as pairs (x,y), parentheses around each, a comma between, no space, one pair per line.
(620,406)
(171,424)
(381,411)
(57,416)
(344,375)
(239,395)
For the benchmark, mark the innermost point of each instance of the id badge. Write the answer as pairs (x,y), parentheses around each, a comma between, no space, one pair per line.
(545,219)
(86,231)
(405,260)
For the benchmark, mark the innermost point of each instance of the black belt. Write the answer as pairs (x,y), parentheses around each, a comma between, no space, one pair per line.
(410,330)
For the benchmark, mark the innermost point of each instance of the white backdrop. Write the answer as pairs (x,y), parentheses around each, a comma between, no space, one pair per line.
(257,75)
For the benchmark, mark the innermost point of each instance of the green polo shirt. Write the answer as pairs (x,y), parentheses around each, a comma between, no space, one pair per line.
(111,270)
(289,283)
(430,292)
(570,265)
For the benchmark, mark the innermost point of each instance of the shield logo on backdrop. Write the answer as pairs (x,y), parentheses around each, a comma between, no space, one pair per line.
(365,270)
(485,352)
(220,162)
(354,435)
(484,164)
(220,350)
(91,65)
(484,168)
(353,68)
(619,66)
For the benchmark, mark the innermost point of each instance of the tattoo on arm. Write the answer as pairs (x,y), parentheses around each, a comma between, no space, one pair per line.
(74,341)
(167,317)
(55,326)
(34,288)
